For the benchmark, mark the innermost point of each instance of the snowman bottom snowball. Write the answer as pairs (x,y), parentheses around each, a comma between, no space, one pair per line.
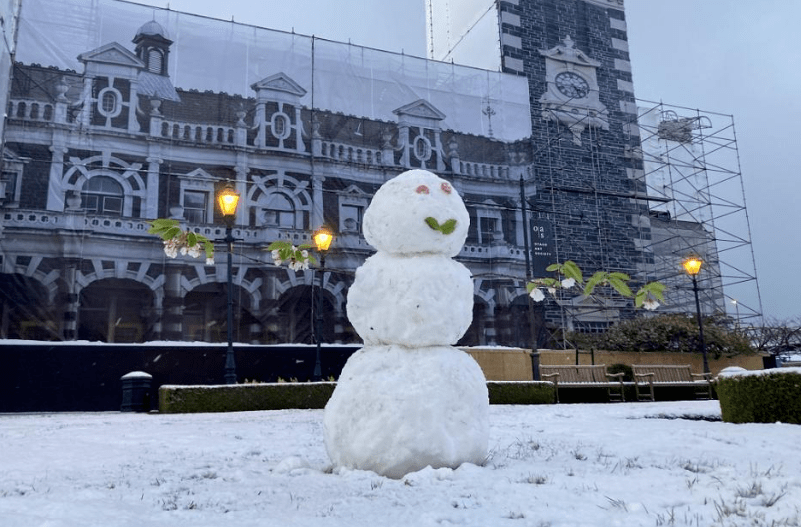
(397,410)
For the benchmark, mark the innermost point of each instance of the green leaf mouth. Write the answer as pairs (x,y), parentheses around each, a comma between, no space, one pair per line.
(446,228)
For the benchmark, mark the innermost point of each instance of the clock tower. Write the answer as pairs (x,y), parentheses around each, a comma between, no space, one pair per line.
(571,97)
(587,182)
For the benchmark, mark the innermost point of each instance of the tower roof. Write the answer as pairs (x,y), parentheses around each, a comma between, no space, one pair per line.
(152,28)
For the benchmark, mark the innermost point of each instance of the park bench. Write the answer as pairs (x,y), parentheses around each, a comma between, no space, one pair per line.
(648,376)
(584,376)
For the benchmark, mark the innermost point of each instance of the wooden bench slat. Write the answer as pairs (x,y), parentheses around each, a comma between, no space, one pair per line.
(584,375)
(650,375)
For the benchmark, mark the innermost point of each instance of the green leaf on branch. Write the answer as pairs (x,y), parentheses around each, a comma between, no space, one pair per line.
(595,280)
(571,270)
(542,282)
(280,244)
(617,280)
(655,289)
(620,286)
(171,233)
(209,247)
(160,225)
(640,297)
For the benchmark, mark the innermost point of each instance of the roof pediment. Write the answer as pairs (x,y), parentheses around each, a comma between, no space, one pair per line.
(279,82)
(355,192)
(112,53)
(421,109)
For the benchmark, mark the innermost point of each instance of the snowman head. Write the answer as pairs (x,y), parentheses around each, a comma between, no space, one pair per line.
(416,212)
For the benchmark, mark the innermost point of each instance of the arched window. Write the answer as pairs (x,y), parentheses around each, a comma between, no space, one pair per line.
(109,102)
(279,211)
(102,195)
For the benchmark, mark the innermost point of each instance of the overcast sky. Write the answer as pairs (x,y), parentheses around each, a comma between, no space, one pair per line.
(732,57)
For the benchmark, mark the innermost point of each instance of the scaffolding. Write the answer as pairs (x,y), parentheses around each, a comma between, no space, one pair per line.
(691,170)
(689,183)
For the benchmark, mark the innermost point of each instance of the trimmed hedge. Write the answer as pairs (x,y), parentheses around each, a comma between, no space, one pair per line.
(760,398)
(280,396)
(244,397)
(520,392)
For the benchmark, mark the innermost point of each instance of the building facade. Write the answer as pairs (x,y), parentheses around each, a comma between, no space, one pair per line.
(99,139)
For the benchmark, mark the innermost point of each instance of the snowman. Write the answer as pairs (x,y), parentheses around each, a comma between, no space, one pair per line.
(409,399)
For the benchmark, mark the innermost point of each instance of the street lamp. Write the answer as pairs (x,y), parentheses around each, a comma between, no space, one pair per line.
(737,313)
(228,199)
(322,240)
(692,266)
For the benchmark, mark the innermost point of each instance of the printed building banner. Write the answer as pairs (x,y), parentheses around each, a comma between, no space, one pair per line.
(118,114)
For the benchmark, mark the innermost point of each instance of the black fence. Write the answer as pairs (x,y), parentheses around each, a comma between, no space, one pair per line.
(62,377)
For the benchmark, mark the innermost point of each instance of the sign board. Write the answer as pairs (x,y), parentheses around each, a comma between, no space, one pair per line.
(543,250)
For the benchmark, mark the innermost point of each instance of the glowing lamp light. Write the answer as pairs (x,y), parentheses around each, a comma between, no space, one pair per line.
(323,238)
(228,199)
(692,265)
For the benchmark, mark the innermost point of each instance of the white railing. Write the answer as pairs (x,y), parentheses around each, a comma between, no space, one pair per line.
(469,168)
(471,250)
(351,154)
(31,110)
(198,133)
(36,219)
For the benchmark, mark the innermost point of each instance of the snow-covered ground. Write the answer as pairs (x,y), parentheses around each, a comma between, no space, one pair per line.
(625,464)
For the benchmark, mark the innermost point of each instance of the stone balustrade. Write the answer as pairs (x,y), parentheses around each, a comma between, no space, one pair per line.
(483,170)
(492,251)
(31,110)
(198,133)
(351,154)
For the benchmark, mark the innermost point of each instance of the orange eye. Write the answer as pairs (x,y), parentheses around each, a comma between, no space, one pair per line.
(422,189)
(446,188)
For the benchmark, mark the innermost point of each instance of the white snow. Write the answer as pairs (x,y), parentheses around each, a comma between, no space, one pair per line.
(395,221)
(421,300)
(408,399)
(397,410)
(735,371)
(552,465)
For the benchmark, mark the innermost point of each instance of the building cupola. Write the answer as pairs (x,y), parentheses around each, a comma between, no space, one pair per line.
(153,47)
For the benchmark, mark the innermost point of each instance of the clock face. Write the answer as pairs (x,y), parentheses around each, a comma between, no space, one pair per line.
(572,85)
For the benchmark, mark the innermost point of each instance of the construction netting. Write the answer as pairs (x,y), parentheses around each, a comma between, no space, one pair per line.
(119,113)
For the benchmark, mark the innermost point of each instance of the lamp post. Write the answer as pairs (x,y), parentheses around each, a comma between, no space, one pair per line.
(322,240)
(535,354)
(692,266)
(228,199)
(737,313)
